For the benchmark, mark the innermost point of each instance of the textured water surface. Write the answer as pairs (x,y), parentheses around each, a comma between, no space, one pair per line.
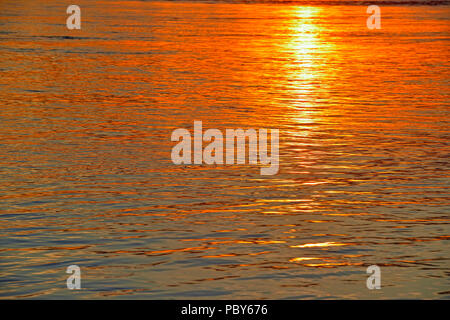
(86,176)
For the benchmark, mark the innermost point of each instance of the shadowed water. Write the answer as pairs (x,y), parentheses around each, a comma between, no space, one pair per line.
(86,176)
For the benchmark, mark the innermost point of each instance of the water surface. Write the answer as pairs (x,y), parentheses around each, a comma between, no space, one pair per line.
(86,176)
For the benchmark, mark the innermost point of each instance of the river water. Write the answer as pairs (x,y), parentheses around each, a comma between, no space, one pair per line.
(86,176)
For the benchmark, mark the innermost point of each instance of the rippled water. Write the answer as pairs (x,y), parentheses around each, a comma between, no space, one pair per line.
(86,176)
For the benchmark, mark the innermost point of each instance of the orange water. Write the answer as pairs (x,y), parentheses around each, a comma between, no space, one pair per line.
(86,176)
